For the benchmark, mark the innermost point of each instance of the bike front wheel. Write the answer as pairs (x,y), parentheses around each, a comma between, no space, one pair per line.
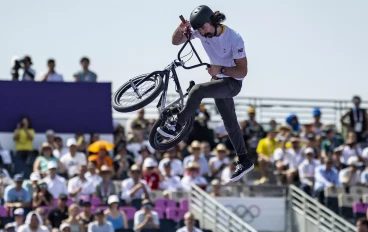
(160,142)
(137,93)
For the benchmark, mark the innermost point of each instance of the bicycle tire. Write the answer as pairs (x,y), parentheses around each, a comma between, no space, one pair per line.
(173,142)
(153,77)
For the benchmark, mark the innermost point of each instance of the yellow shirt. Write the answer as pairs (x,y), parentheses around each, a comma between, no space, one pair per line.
(267,146)
(288,144)
(23,143)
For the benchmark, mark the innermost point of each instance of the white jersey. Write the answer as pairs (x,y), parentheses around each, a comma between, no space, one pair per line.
(224,49)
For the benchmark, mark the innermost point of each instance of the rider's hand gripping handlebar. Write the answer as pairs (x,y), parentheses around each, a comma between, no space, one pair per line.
(188,34)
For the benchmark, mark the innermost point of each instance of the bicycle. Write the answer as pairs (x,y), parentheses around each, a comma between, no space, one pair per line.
(168,112)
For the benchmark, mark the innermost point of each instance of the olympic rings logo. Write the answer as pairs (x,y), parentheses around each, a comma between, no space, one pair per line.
(248,214)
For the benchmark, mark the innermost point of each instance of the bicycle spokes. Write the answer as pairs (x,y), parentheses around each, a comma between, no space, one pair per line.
(138,93)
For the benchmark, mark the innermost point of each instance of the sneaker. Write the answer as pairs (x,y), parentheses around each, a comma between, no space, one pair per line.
(241,169)
(169,130)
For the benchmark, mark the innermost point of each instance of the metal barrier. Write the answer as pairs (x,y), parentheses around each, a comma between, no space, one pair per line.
(244,190)
(307,214)
(213,215)
(267,109)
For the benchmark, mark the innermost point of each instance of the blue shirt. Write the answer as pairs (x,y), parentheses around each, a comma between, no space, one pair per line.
(324,178)
(88,76)
(117,223)
(12,195)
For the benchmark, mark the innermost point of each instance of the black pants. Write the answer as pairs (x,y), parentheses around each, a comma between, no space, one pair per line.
(223,91)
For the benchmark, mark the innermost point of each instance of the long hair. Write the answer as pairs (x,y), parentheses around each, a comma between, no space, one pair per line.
(217,18)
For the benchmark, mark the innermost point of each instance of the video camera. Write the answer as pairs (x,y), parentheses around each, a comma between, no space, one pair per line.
(17,64)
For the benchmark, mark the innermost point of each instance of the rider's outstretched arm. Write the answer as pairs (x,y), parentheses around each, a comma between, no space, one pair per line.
(178,37)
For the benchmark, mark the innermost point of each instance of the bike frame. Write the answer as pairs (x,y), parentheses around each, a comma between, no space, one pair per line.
(165,74)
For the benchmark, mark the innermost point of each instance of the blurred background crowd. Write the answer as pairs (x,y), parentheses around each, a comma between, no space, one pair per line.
(88,184)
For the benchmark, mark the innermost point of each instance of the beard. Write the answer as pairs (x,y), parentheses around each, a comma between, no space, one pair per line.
(208,35)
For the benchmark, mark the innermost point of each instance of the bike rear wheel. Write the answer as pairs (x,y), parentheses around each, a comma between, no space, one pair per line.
(159,142)
(125,99)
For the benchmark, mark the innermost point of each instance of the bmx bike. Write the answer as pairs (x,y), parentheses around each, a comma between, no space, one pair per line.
(143,89)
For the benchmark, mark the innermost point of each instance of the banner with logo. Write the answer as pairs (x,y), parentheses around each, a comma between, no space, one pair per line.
(262,213)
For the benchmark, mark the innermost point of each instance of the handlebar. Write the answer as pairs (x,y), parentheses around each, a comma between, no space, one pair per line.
(188,34)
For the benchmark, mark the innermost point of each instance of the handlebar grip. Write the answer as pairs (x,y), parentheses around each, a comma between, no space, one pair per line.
(182,18)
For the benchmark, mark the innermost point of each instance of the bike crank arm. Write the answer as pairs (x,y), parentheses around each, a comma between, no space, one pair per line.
(135,89)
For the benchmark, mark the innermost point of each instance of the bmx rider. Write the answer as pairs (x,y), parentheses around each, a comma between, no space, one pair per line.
(225,49)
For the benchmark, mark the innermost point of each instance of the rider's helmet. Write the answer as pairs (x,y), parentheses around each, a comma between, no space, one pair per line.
(199,16)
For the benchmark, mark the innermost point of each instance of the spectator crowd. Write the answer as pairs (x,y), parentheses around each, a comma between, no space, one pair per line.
(29,74)
(79,185)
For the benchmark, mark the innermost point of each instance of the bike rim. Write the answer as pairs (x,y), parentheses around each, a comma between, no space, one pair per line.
(129,97)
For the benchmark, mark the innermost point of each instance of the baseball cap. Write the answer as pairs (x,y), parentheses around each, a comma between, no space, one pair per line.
(46,145)
(309,150)
(18,177)
(215,182)
(251,110)
(71,142)
(86,203)
(42,184)
(167,164)
(63,196)
(316,112)
(113,199)
(27,58)
(35,176)
(52,165)
(149,162)
(50,132)
(135,167)
(311,136)
(63,226)
(99,211)
(339,149)
(144,148)
(9,226)
(105,168)
(19,212)
(354,161)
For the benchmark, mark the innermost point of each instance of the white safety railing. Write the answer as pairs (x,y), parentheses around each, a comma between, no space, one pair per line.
(213,215)
(310,215)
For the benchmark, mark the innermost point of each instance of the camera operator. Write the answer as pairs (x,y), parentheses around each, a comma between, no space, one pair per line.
(25,64)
